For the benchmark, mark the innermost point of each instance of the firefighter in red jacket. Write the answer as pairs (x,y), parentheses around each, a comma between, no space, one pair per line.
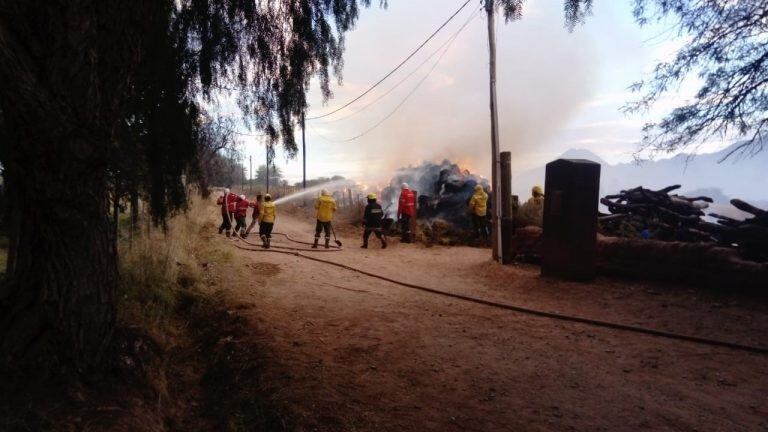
(406,211)
(256,205)
(241,211)
(228,202)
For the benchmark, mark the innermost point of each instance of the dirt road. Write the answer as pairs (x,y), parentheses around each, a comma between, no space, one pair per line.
(348,352)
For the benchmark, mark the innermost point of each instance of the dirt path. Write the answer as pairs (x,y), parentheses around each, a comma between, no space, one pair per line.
(353,353)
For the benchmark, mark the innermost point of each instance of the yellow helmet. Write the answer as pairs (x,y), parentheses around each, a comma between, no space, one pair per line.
(537,190)
(372,196)
(478,188)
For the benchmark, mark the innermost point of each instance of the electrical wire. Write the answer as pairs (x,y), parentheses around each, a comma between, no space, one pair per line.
(405,99)
(410,74)
(396,67)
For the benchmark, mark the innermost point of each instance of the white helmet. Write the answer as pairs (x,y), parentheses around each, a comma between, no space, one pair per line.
(404,186)
(242,196)
(226,191)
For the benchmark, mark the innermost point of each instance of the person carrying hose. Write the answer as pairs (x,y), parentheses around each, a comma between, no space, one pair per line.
(241,212)
(228,203)
(478,207)
(325,206)
(372,222)
(267,220)
(406,211)
(256,205)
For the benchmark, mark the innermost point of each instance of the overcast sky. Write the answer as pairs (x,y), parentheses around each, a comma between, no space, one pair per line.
(557,90)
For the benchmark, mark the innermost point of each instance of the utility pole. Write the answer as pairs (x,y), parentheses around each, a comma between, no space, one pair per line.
(495,163)
(250,174)
(303,154)
(267,168)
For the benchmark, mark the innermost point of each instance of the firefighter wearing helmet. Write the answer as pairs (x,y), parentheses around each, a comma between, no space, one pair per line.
(532,212)
(325,206)
(241,211)
(478,207)
(372,222)
(228,202)
(267,221)
(406,211)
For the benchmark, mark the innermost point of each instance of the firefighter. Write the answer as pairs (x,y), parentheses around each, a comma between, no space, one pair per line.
(406,211)
(256,205)
(478,207)
(532,212)
(241,212)
(267,220)
(228,202)
(325,206)
(372,222)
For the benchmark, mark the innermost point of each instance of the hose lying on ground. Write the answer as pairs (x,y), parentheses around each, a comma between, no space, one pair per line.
(288,248)
(520,309)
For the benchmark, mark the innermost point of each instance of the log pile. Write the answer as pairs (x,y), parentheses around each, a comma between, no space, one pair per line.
(655,214)
(750,235)
(645,213)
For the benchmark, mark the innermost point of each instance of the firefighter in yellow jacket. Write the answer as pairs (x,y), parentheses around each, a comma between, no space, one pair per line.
(478,207)
(325,206)
(267,220)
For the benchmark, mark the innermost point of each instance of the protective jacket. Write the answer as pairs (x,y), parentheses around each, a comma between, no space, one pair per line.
(268,212)
(407,203)
(228,202)
(241,208)
(325,206)
(478,204)
(256,208)
(373,215)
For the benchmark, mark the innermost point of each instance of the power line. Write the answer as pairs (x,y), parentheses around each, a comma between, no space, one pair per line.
(413,90)
(405,78)
(396,68)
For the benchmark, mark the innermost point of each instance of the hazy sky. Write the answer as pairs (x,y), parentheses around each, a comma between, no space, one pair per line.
(557,90)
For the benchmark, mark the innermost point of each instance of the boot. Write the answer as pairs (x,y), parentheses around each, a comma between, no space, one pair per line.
(365,245)
(327,241)
(268,241)
(228,234)
(314,246)
(264,242)
(383,243)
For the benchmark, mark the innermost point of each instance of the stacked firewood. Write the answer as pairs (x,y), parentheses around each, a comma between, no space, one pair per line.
(655,214)
(750,235)
(645,213)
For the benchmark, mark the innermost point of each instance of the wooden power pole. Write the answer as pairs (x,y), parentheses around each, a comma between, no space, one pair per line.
(267,168)
(495,163)
(250,174)
(303,155)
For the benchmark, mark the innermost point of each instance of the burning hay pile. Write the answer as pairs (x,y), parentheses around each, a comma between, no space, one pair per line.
(443,193)
(649,214)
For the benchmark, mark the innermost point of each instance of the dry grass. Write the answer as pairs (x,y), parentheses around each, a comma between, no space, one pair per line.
(157,266)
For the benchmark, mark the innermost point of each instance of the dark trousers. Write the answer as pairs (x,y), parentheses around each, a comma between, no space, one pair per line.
(265,229)
(225,223)
(405,228)
(323,226)
(376,232)
(240,225)
(480,224)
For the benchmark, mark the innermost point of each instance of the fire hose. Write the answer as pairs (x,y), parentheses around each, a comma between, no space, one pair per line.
(519,309)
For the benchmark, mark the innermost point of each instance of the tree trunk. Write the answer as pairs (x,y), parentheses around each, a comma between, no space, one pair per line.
(134,212)
(65,67)
(59,312)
